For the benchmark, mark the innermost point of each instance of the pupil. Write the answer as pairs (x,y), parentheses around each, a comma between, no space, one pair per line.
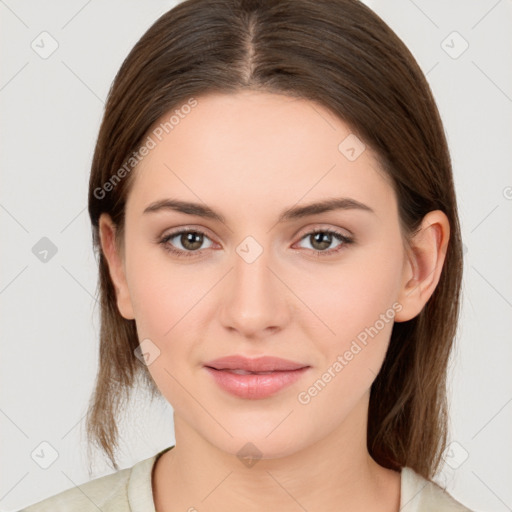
(189,240)
(324,239)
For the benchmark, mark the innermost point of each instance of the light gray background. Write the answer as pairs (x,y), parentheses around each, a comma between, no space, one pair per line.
(51,109)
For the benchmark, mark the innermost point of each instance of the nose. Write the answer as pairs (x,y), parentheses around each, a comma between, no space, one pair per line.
(255,301)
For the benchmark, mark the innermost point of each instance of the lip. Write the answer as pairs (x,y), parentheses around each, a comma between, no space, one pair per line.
(257,364)
(280,373)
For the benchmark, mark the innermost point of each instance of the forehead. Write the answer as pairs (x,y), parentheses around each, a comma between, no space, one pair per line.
(255,150)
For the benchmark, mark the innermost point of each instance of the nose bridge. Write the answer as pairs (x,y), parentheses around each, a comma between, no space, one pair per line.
(255,300)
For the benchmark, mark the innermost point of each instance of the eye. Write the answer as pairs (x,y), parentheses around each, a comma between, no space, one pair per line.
(321,239)
(189,239)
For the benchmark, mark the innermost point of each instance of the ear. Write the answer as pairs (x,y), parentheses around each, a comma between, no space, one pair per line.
(423,264)
(107,231)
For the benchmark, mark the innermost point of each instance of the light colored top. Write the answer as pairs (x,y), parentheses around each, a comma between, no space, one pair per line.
(130,490)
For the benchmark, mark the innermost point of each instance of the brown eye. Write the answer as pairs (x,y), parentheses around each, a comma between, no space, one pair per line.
(185,242)
(321,239)
(191,240)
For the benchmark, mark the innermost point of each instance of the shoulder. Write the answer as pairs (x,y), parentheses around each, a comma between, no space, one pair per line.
(117,492)
(90,496)
(422,495)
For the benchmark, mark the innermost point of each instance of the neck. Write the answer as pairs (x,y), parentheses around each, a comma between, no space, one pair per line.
(334,473)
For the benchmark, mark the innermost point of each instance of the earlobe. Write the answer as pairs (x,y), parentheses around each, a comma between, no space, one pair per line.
(423,264)
(107,231)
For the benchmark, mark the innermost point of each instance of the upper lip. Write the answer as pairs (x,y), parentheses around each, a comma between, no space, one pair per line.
(258,364)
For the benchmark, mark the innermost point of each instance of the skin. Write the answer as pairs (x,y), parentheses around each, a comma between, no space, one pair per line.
(249,156)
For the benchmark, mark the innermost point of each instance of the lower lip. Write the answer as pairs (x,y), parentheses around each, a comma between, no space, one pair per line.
(255,386)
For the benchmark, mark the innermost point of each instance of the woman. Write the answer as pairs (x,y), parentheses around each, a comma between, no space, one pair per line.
(272,203)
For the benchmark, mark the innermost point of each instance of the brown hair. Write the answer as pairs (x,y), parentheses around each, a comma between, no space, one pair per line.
(342,55)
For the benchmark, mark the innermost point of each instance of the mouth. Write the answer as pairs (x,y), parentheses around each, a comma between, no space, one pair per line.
(243,372)
(263,364)
(254,378)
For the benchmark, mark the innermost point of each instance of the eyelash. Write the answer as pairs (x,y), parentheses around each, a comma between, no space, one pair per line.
(187,254)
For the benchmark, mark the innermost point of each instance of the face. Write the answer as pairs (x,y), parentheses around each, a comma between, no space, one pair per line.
(255,284)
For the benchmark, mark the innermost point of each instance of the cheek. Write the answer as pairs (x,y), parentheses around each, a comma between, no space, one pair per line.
(169,304)
(353,295)
(162,294)
(357,302)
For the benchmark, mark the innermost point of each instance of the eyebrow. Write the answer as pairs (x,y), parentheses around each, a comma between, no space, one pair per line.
(295,212)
